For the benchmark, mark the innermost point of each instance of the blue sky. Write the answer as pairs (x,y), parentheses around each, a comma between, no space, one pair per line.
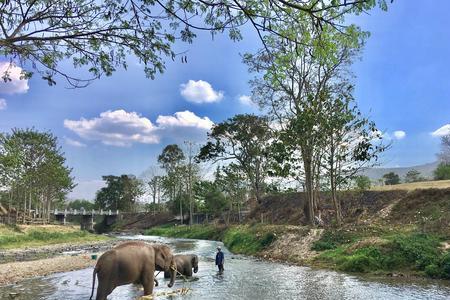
(120,124)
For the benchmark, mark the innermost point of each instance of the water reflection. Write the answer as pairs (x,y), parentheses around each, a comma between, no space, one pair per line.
(244,278)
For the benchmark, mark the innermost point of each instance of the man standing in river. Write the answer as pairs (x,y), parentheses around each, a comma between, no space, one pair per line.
(219,259)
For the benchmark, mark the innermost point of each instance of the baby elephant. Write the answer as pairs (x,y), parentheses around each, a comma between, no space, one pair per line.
(185,264)
(132,262)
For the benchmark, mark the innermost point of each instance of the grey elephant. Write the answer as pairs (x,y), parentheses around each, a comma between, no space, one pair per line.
(184,264)
(132,262)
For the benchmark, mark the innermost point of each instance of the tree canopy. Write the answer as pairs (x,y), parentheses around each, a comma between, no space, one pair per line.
(100,36)
(33,170)
(244,141)
(120,193)
(391,178)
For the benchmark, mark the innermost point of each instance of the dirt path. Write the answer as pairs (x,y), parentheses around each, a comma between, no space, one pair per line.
(294,247)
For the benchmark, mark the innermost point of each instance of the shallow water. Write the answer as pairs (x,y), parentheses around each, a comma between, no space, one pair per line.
(244,278)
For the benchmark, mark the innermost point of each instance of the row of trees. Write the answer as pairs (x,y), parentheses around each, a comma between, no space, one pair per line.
(33,171)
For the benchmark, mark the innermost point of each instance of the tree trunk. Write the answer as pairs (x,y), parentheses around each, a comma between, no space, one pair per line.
(309,190)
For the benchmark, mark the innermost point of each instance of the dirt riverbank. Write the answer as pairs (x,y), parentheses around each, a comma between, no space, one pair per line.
(19,264)
(13,272)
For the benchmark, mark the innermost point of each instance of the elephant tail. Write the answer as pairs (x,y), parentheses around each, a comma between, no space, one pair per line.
(93,282)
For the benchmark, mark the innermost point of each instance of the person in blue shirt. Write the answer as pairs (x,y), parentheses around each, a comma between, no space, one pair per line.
(219,259)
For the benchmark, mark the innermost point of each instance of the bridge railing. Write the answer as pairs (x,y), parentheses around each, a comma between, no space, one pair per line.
(83,212)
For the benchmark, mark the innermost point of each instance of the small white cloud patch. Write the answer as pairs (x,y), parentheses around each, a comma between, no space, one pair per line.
(14,84)
(74,143)
(444,130)
(200,92)
(246,100)
(399,134)
(184,119)
(3,104)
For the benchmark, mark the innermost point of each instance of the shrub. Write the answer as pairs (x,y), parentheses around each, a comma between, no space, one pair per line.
(331,240)
(445,265)
(362,183)
(442,172)
(419,249)
(391,178)
(363,260)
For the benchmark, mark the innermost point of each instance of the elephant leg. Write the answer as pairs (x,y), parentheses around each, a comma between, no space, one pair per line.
(188,272)
(103,290)
(147,281)
(106,283)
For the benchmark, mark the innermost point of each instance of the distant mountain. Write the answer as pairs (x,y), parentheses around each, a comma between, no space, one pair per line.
(425,170)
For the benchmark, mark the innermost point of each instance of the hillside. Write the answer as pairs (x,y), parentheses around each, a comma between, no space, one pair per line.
(434,184)
(426,171)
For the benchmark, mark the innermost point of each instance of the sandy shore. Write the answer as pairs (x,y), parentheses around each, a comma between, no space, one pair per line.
(19,264)
(16,271)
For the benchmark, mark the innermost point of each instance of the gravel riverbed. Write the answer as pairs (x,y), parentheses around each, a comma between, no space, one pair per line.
(19,264)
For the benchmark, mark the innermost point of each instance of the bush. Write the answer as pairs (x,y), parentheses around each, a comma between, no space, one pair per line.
(363,260)
(442,172)
(418,249)
(331,240)
(391,178)
(445,265)
(362,183)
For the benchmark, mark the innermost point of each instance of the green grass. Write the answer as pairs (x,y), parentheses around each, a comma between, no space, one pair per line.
(243,239)
(413,252)
(331,239)
(15,238)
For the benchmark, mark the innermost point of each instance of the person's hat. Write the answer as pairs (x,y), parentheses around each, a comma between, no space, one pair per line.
(218,248)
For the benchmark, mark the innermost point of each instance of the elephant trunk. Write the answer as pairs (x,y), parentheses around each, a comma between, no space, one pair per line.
(172,271)
(195,269)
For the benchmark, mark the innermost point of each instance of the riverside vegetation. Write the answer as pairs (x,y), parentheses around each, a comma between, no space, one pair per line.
(410,237)
(31,236)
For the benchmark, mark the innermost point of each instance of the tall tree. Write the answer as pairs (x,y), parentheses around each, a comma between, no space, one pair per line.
(243,140)
(33,169)
(294,84)
(120,193)
(101,35)
(171,160)
(413,176)
(350,142)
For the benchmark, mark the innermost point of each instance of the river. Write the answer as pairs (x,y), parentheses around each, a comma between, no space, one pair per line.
(244,278)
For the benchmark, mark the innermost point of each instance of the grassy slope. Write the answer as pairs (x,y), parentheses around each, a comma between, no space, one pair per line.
(31,236)
(411,239)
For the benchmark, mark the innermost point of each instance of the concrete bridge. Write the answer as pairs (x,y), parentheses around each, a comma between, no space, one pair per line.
(87,216)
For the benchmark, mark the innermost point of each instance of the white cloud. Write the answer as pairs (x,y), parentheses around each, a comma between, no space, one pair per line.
(399,134)
(3,104)
(116,128)
(246,100)
(121,128)
(444,130)
(74,143)
(15,85)
(184,119)
(200,92)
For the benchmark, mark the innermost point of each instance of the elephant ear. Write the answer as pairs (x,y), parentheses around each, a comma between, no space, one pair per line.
(160,257)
